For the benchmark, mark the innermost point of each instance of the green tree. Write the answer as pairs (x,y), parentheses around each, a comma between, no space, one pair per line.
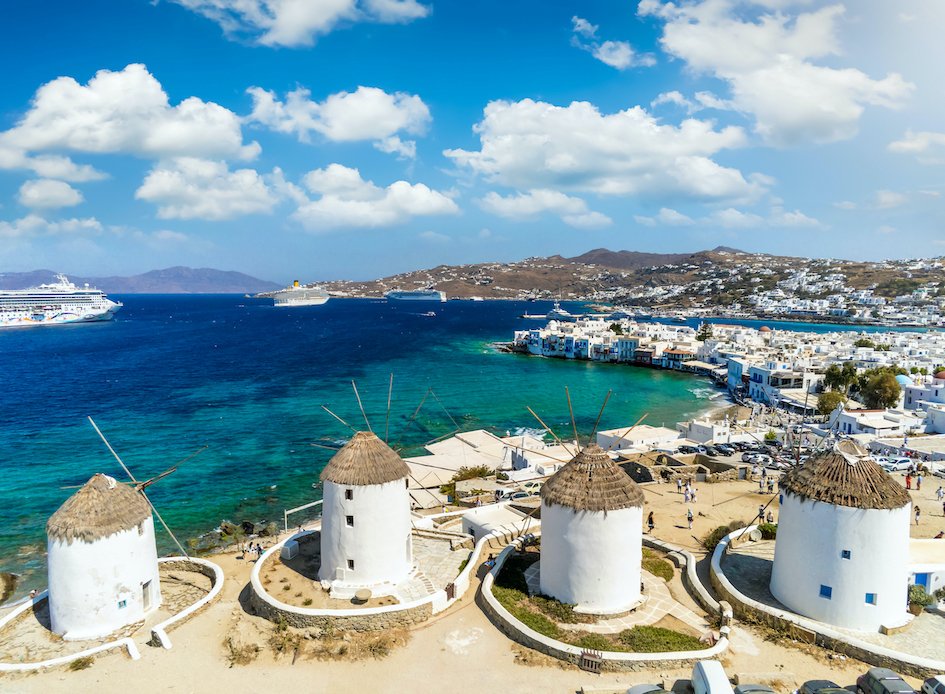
(840,377)
(880,390)
(705,332)
(771,436)
(828,401)
(865,342)
(616,329)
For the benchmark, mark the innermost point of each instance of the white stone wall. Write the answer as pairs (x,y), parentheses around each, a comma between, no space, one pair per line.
(592,559)
(378,543)
(88,582)
(809,554)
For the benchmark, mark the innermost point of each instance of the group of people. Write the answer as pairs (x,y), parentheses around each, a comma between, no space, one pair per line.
(251,549)
(689,496)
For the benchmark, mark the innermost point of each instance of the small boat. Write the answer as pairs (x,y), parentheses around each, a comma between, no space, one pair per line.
(429,314)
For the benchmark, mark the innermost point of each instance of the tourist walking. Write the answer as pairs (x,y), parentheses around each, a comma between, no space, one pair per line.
(689,517)
(761,513)
(917,512)
(908,480)
(770,517)
(686,496)
(693,495)
(650,523)
(940,493)
(679,485)
(770,485)
(918,482)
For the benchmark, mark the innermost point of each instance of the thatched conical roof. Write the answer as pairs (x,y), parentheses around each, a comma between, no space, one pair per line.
(365,460)
(591,481)
(845,475)
(100,508)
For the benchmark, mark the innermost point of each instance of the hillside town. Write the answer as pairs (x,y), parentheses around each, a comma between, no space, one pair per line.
(888,387)
(722,281)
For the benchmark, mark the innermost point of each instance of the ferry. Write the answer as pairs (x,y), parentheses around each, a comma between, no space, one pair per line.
(415,295)
(56,303)
(297,295)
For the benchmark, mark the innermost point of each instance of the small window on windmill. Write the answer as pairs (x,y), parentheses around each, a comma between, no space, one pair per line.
(826,592)
(871,598)
(406,484)
(122,604)
(140,529)
(349,494)
(351,565)
(349,521)
(845,554)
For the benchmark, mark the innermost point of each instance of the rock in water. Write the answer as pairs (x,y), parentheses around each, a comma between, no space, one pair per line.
(8,583)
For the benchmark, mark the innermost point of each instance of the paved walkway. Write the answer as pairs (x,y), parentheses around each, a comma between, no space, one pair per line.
(748,567)
(659,603)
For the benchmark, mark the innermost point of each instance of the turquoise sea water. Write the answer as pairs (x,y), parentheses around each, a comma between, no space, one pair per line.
(174,373)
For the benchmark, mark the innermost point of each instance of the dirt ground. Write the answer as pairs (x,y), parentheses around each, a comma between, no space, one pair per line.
(459,651)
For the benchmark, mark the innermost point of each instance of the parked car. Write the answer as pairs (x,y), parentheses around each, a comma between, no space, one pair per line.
(881,680)
(513,495)
(897,465)
(934,685)
(725,449)
(774,444)
(702,449)
(748,457)
(647,689)
(821,687)
(778,465)
(708,677)
(532,486)
(688,450)
(712,451)
(754,689)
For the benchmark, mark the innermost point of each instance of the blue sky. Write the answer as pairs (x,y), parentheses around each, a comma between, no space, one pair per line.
(325,139)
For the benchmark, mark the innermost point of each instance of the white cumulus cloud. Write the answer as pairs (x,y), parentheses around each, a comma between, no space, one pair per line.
(918,143)
(33,225)
(535,145)
(48,194)
(887,199)
(368,113)
(768,62)
(573,211)
(124,112)
(347,200)
(189,188)
(666,216)
(300,22)
(617,54)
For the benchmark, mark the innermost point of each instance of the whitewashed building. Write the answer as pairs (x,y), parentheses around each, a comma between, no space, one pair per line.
(102,561)
(365,534)
(592,535)
(842,549)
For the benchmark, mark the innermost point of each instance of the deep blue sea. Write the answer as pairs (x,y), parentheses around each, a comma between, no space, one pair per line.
(174,373)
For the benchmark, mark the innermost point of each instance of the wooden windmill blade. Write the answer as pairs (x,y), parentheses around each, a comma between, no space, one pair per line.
(141,485)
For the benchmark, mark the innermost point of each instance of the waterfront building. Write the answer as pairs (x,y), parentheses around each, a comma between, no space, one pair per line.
(591,540)
(102,561)
(842,549)
(365,534)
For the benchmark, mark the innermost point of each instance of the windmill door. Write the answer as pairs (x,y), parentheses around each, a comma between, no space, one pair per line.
(146,595)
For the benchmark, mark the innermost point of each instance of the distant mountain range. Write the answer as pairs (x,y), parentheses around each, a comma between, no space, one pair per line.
(172,280)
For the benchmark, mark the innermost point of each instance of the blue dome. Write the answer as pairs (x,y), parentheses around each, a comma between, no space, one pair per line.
(903,380)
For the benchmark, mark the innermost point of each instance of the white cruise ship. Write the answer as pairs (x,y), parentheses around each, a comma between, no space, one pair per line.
(57,303)
(415,295)
(297,295)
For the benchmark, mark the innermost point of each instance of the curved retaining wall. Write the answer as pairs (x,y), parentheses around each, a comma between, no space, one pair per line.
(159,635)
(125,643)
(366,619)
(823,635)
(520,633)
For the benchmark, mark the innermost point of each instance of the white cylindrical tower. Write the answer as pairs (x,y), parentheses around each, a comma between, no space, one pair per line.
(591,535)
(365,535)
(102,561)
(842,549)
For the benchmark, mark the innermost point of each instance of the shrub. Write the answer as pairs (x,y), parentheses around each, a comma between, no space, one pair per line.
(307,602)
(81,663)
(919,596)
(656,565)
(240,653)
(769,531)
(470,473)
(501,476)
(711,541)
(771,436)
(596,642)
(651,639)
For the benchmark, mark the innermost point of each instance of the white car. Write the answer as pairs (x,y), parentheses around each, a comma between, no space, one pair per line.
(934,685)
(897,465)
